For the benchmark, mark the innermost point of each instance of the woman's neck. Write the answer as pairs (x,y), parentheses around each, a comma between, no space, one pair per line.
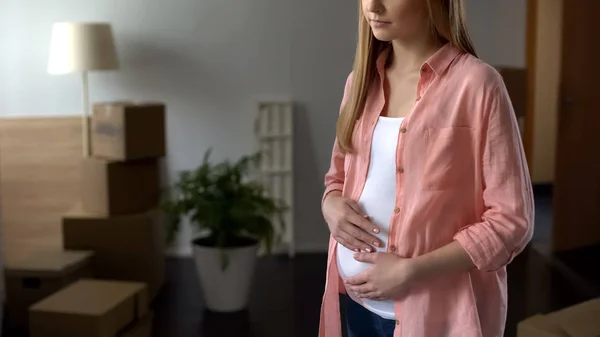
(409,54)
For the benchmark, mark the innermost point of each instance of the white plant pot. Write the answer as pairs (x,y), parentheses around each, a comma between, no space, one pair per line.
(225,290)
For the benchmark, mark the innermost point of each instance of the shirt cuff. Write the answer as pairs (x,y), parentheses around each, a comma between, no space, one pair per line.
(485,248)
(331,188)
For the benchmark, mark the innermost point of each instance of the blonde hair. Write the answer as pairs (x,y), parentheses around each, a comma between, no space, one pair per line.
(448,25)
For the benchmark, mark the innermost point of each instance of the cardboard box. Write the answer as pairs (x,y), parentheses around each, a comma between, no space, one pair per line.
(126,131)
(581,320)
(142,328)
(92,308)
(39,275)
(127,247)
(113,188)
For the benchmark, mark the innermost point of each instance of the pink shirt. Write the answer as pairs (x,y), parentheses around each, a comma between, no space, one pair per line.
(462,175)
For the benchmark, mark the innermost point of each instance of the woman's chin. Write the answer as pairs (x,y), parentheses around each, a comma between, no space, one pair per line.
(382,36)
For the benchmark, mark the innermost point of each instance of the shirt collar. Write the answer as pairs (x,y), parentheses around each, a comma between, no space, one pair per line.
(438,62)
(441,60)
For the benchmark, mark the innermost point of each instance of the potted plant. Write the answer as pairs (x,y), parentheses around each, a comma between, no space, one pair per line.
(233,217)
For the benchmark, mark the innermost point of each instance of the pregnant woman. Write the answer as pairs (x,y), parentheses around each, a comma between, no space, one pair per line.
(428,195)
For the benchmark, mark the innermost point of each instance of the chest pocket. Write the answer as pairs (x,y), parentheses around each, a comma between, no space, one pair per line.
(450,159)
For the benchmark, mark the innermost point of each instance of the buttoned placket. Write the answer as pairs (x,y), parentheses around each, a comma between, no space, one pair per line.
(400,169)
(400,164)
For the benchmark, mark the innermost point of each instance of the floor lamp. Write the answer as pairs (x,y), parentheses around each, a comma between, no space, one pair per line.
(82,47)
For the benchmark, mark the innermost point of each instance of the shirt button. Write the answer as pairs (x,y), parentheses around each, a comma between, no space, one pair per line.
(396,210)
(402,130)
(400,170)
(392,248)
(418,98)
(397,322)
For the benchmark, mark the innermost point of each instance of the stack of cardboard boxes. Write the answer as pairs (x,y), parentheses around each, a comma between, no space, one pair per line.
(37,276)
(579,320)
(114,234)
(93,308)
(117,218)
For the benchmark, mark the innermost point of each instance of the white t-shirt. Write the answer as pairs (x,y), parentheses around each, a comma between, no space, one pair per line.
(377,201)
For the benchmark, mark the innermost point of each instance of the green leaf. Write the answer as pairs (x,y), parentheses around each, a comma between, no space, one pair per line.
(223,199)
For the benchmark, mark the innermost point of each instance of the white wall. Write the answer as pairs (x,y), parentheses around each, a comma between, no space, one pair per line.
(209,59)
(498,29)
(323,42)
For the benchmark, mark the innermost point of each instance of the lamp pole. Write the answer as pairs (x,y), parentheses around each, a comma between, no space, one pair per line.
(85,120)
(80,47)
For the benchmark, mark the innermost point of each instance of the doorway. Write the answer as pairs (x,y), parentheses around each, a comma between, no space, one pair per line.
(562,126)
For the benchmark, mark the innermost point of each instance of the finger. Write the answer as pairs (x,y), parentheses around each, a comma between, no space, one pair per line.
(349,241)
(370,295)
(340,239)
(361,235)
(362,288)
(348,233)
(363,223)
(366,257)
(363,240)
(358,279)
(356,208)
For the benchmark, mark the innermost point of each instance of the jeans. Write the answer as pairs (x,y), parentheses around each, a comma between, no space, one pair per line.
(361,322)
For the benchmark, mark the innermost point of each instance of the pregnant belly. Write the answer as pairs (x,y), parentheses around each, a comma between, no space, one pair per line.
(380,211)
(347,265)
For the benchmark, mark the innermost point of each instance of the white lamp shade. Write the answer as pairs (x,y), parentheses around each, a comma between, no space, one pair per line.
(77,47)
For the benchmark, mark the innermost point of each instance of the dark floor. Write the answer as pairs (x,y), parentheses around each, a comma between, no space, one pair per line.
(287,293)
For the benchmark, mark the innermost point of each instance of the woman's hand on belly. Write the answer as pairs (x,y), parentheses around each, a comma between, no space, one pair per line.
(347,265)
(388,278)
(348,225)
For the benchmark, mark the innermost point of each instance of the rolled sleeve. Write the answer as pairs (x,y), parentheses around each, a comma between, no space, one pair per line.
(334,178)
(506,225)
